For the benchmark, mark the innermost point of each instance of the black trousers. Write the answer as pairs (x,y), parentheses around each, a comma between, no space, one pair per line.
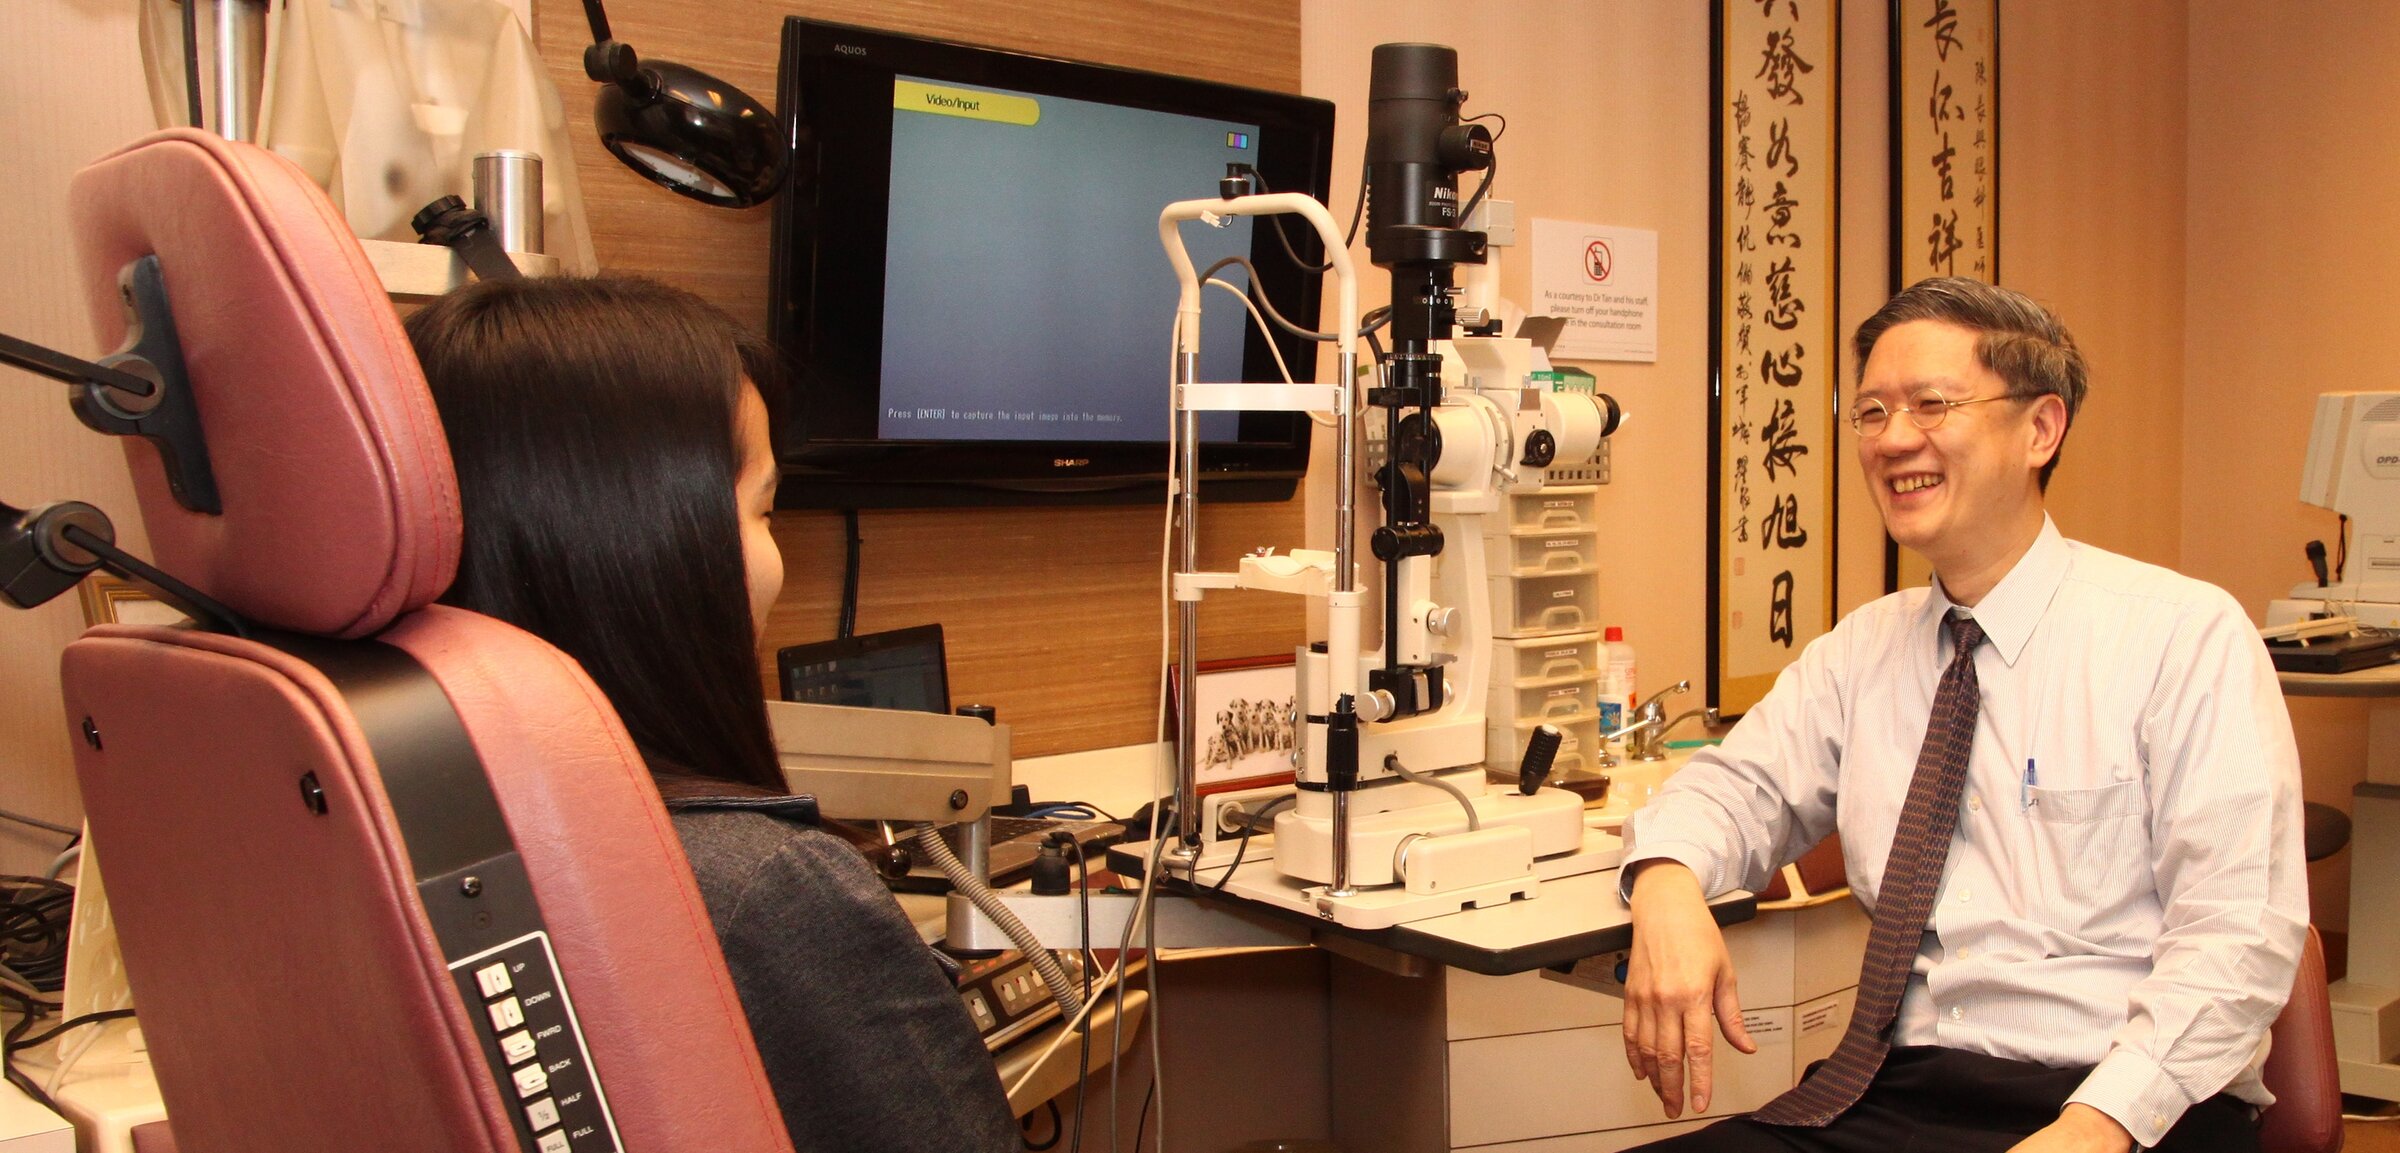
(1952,1101)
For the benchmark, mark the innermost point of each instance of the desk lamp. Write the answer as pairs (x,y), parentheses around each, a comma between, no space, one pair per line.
(682,128)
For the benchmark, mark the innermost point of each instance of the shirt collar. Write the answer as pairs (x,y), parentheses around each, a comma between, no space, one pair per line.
(2010,611)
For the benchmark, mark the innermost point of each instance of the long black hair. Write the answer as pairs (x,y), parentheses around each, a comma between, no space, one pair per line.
(592,424)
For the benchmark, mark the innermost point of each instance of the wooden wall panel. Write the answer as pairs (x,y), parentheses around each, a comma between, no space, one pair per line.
(1051,614)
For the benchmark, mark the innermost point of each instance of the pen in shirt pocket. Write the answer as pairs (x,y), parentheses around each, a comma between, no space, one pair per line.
(2025,795)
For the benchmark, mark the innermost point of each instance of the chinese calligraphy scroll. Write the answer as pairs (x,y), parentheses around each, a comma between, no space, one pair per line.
(1774,396)
(1945,162)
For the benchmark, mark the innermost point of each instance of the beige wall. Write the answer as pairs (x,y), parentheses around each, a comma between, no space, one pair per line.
(2291,227)
(1608,122)
(1607,108)
(71,91)
(2091,212)
(2116,163)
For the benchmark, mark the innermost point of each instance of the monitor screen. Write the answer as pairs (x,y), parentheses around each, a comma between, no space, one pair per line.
(900,669)
(970,280)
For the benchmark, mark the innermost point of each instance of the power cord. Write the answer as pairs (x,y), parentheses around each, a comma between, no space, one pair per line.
(1058,1129)
(72,834)
(34,913)
(848,625)
(1083,1051)
(35,925)
(1358,212)
(1249,826)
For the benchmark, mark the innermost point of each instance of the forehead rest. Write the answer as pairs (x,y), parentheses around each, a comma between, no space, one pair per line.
(340,509)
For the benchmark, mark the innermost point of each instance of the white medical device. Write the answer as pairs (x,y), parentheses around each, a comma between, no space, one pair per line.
(2354,469)
(1394,819)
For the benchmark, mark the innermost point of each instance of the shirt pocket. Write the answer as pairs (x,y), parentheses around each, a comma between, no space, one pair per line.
(2094,849)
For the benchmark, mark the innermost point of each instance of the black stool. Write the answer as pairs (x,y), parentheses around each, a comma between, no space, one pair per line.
(2323,830)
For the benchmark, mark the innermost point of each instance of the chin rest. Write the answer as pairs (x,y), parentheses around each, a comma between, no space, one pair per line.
(322,839)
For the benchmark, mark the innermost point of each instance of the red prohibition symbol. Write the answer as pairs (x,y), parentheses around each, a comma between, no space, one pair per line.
(1597,261)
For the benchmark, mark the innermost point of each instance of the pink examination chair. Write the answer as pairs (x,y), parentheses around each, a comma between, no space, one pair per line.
(388,875)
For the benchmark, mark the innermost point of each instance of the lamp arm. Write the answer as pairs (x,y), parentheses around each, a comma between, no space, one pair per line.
(66,369)
(190,601)
(597,17)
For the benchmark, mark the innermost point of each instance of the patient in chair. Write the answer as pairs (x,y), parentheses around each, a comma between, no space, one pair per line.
(615,472)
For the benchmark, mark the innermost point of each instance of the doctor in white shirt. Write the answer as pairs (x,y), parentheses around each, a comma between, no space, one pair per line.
(2120,909)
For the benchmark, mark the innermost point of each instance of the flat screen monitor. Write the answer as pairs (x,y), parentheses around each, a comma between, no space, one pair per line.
(900,669)
(968,278)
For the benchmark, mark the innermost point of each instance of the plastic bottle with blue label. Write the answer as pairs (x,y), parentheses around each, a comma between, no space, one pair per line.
(1616,680)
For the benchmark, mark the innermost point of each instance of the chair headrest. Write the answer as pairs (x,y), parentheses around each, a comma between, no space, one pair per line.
(340,508)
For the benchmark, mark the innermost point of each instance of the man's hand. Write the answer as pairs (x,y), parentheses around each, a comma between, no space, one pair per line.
(2079,1128)
(1677,975)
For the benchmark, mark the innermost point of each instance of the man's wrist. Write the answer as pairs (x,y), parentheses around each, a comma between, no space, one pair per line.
(1644,871)
(2093,1125)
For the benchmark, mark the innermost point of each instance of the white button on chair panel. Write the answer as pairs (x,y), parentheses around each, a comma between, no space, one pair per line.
(531,1080)
(507,1014)
(493,979)
(554,1141)
(517,1046)
(543,1113)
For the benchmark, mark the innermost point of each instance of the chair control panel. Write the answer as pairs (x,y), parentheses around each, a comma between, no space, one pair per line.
(532,1039)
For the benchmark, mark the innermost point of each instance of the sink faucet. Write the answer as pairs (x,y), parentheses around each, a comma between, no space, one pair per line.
(1646,734)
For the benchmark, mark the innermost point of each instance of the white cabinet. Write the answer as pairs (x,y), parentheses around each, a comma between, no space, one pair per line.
(1525,1064)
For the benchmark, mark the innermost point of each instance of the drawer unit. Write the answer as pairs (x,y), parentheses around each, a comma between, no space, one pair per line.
(1554,510)
(1552,701)
(1544,605)
(1516,660)
(1540,553)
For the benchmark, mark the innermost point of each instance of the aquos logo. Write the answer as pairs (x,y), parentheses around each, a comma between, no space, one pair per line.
(849,50)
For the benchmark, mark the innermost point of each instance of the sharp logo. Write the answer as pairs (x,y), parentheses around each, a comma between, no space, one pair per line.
(1071,462)
(849,50)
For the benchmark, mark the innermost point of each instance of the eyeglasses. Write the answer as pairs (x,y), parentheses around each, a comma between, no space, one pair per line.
(1926,410)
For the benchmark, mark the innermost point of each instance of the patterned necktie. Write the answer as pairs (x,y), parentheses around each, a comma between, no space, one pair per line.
(1911,875)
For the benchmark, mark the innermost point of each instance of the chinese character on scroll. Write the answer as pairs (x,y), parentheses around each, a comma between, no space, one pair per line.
(1945,162)
(1774,339)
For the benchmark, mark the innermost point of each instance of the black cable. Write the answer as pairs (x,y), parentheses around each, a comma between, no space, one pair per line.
(191,61)
(17,1040)
(1358,212)
(1367,328)
(1491,172)
(1058,1128)
(18,1079)
(849,622)
(34,915)
(1489,116)
(1249,826)
(2341,559)
(1141,1120)
(1083,1047)
(37,822)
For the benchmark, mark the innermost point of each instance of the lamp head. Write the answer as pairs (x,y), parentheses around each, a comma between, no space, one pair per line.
(684,129)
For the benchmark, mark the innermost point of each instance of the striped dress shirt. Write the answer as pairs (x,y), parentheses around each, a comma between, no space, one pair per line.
(2125,888)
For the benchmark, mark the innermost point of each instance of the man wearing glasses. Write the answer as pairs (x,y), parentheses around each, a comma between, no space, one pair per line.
(2065,785)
